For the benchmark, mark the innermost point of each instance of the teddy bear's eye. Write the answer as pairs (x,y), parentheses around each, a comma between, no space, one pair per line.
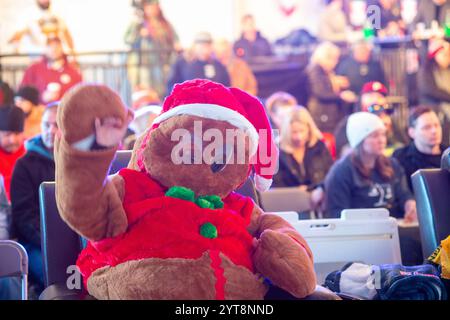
(217,167)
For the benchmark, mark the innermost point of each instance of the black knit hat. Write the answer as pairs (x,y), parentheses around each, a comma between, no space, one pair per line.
(29,93)
(11,119)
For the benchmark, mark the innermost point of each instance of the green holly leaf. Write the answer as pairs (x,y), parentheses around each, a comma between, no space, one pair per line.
(181,193)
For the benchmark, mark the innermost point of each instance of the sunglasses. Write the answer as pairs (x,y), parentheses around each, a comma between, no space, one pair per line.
(380,108)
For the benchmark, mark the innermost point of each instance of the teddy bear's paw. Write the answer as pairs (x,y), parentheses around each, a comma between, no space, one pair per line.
(285,262)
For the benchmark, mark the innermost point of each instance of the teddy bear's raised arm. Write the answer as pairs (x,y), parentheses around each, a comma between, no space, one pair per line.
(88,200)
(282,254)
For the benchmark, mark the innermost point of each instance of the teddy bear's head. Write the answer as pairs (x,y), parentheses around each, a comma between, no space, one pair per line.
(207,139)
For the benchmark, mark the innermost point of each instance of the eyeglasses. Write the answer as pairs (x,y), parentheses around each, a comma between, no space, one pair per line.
(380,108)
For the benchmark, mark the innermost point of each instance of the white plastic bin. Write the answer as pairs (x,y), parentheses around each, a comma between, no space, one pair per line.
(368,236)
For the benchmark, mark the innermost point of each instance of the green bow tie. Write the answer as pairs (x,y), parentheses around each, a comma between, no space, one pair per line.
(205,202)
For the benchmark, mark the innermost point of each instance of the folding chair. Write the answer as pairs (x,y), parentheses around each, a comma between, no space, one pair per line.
(14,263)
(431,188)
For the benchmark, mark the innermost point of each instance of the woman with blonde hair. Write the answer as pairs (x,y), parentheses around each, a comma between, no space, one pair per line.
(304,158)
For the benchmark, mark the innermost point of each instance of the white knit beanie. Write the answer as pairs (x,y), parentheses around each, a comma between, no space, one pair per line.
(360,125)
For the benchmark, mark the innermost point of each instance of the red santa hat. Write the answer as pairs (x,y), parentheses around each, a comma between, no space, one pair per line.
(207,99)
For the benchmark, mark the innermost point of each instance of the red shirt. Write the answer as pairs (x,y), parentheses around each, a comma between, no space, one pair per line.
(40,75)
(7,163)
(165,227)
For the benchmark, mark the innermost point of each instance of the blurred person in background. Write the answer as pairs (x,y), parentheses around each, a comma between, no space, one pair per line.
(373,99)
(6,95)
(329,95)
(391,22)
(251,44)
(333,24)
(434,83)
(35,167)
(12,121)
(278,106)
(304,159)
(53,75)
(27,99)
(151,31)
(241,76)
(431,12)
(360,67)
(426,149)
(199,62)
(44,25)
(365,178)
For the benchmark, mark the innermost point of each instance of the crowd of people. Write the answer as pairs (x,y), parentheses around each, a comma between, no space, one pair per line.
(343,147)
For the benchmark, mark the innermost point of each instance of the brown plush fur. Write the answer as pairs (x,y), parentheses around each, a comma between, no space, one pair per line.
(174,279)
(197,177)
(88,202)
(91,204)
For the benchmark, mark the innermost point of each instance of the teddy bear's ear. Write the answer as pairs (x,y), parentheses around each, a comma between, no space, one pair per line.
(266,158)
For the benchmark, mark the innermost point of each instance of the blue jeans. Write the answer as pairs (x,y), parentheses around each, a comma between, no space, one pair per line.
(35,263)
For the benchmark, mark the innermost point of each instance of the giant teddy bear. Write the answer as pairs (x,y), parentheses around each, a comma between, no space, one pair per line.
(165,229)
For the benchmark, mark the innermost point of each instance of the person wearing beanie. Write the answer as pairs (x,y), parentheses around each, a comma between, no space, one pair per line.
(35,167)
(373,98)
(365,178)
(11,141)
(27,99)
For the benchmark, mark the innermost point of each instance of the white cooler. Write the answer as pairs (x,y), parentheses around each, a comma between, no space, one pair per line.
(368,236)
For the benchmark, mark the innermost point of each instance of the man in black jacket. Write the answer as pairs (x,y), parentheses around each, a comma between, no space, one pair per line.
(30,171)
(426,149)
(199,63)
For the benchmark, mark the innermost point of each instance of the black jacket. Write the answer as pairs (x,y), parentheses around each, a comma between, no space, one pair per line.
(345,188)
(247,50)
(412,160)
(360,73)
(35,167)
(311,172)
(184,70)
